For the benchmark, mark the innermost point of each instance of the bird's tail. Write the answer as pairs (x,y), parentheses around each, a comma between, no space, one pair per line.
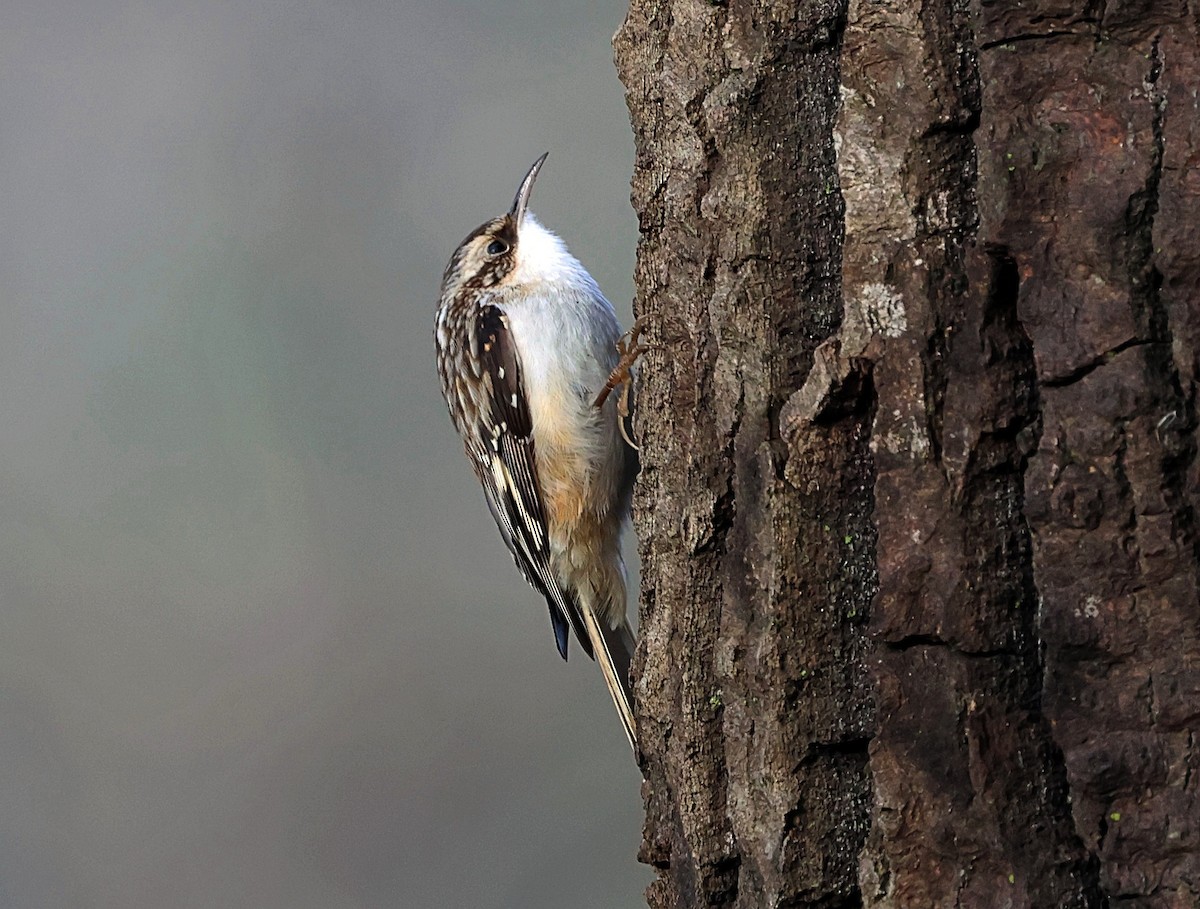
(613,648)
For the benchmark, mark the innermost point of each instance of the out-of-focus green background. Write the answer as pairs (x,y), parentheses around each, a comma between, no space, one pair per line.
(260,644)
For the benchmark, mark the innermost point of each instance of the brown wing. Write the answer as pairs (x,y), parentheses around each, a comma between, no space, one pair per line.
(507,468)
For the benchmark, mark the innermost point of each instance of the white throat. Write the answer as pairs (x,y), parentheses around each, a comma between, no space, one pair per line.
(543,258)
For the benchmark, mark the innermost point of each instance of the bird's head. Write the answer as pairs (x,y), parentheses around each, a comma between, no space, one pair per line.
(512,251)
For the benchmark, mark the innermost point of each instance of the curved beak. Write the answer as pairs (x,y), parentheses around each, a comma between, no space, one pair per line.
(521,202)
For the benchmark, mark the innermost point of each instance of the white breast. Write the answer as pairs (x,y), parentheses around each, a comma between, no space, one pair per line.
(566,334)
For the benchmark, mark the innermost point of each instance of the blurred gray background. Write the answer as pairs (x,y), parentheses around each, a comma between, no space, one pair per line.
(260,644)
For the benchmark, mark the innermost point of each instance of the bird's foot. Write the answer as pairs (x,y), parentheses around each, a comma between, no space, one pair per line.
(630,348)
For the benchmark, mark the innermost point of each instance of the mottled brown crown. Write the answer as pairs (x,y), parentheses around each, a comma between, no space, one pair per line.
(483,258)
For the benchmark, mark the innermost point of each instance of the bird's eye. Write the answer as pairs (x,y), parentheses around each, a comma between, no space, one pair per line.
(497,247)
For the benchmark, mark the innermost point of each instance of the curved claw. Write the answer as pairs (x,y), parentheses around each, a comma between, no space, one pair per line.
(630,348)
(623,417)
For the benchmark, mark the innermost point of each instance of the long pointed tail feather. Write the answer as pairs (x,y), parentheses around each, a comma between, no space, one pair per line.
(614,648)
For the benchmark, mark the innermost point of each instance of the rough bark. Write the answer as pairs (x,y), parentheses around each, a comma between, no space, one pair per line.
(921,569)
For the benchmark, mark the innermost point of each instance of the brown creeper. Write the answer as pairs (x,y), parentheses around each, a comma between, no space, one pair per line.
(525,341)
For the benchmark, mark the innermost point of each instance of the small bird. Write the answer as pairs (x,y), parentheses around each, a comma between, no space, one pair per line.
(527,351)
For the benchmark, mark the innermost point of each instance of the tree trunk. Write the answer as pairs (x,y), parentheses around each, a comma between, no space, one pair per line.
(917,510)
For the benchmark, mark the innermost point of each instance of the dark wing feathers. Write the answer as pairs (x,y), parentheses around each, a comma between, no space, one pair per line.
(499,357)
(508,470)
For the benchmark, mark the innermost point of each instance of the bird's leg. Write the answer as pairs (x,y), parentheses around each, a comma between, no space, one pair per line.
(629,347)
